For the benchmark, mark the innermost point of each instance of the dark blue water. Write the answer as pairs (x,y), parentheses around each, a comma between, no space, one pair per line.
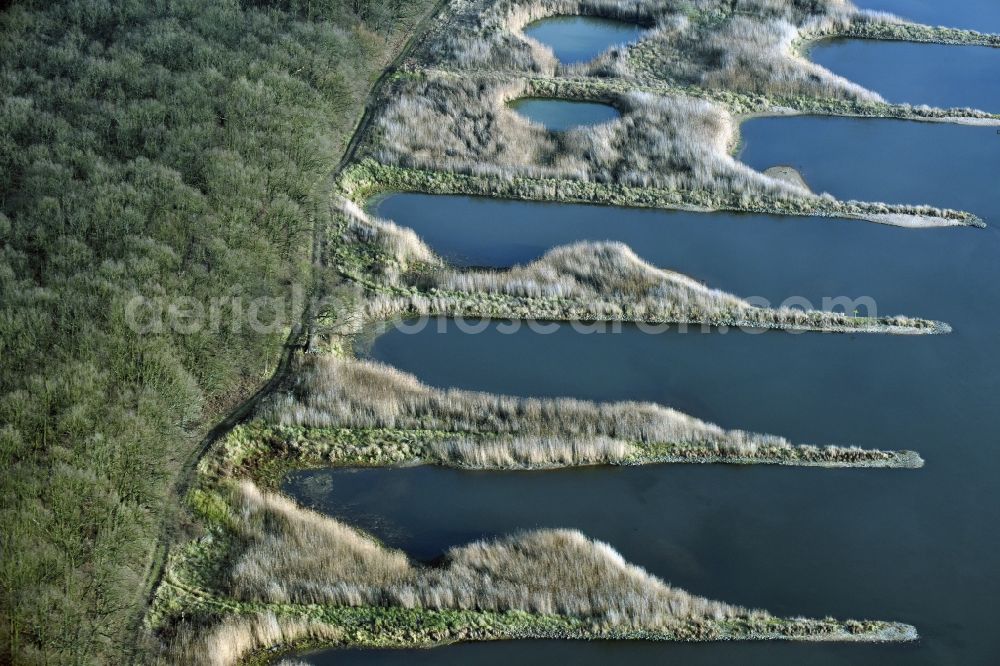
(887,160)
(546,653)
(559,115)
(812,388)
(935,74)
(576,39)
(981,15)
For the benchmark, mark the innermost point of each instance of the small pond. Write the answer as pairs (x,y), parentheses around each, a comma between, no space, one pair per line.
(576,39)
(559,115)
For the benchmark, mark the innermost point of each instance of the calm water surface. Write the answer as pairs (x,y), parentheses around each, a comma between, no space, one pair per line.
(912,545)
(559,115)
(546,653)
(934,74)
(887,160)
(981,15)
(576,39)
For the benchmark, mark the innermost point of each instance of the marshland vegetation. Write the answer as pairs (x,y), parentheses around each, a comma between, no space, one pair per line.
(586,281)
(332,394)
(370,178)
(449,123)
(701,65)
(295,556)
(445,133)
(233,639)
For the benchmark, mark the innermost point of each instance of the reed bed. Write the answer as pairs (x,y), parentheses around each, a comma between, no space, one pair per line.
(747,46)
(285,576)
(293,555)
(401,245)
(229,641)
(333,393)
(585,281)
(462,125)
(529,453)
(673,149)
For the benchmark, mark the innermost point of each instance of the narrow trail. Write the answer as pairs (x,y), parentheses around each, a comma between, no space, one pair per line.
(298,340)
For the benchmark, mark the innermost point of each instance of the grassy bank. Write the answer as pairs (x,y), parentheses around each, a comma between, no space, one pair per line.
(877,25)
(175,151)
(265,452)
(737,103)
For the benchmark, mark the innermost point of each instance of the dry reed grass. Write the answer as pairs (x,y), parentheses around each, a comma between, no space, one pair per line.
(583,281)
(237,637)
(462,125)
(529,453)
(739,45)
(333,392)
(283,559)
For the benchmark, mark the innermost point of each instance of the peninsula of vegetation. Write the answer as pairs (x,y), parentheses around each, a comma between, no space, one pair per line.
(396,275)
(285,575)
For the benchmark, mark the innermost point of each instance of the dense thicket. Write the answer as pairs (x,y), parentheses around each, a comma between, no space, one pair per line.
(164,149)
